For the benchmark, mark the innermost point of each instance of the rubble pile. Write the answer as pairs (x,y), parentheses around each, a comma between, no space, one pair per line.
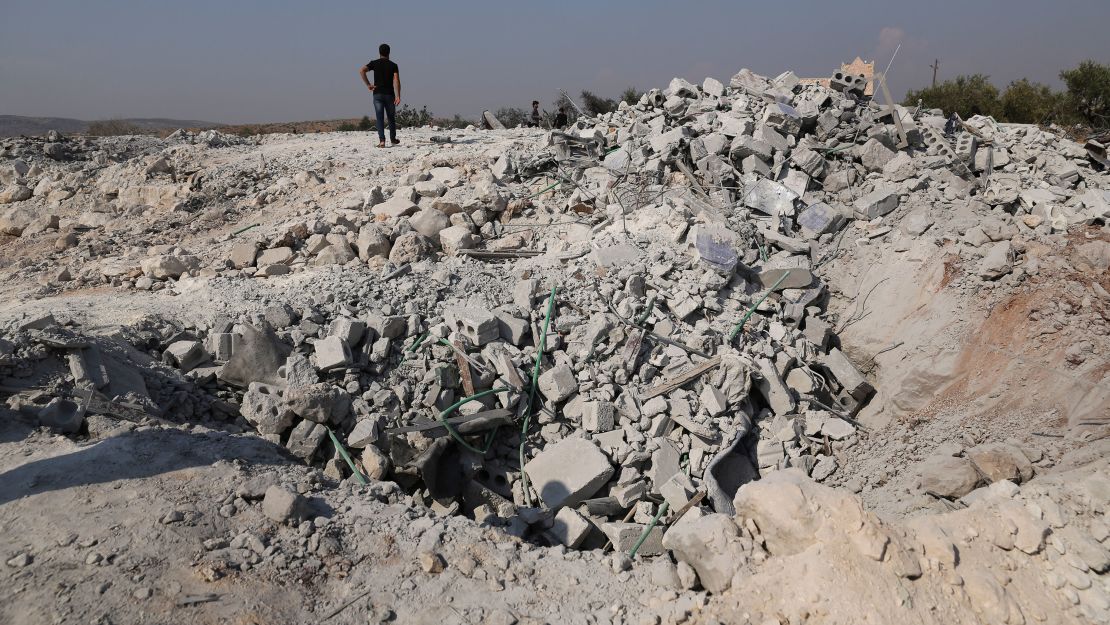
(592,339)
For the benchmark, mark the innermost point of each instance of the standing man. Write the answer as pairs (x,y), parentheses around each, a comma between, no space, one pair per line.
(561,118)
(535,114)
(386,90)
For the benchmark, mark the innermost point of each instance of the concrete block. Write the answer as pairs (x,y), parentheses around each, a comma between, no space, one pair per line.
(837,429)
(616,255)
(333,352)
(610,442)
(713,400)
(568,472)
(624,536)
(512,329)
(429,222)
(966,146)
(712,86)
(320,403)
(372,242)
(221,345)
(477,325)
(714,246)
(874,155)
(665,462)
(879,202)
(678,490)
(752,164)
(364,433)
(243,254)
(598,416)
(810,162)
(187,354)
(570,528)
(770,197)
(628,494)
(711,545)
(746,145)
(847,374)
(774,390)
(819,218)
(257,357)
(263,408)
(817,331)
(558,383)
(87,368)
(666,143)
(795,180)
(305,439)
(783,118)
(525,293)
(384,326)
(846,82)
(350,330)
(735,126)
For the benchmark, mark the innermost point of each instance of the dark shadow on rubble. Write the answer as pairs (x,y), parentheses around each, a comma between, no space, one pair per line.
(13,430)
(318,507)
(132,455)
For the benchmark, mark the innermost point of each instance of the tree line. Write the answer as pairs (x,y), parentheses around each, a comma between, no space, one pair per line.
(1085,100)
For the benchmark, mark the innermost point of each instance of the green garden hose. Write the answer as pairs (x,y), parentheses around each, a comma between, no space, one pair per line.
(747,315)
(532,393)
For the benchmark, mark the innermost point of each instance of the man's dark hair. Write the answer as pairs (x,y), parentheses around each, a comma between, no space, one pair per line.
(535,102)
(383,49)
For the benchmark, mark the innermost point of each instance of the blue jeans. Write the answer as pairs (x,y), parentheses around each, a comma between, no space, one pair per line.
(383,106)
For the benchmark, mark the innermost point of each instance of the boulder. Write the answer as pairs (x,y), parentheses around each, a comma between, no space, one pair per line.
(282,505)
(1001,461)
(15,193)
(15,220)
(793,513)
(163,267)
(997,262)
(711,545)
(410,247)
(320,403)
(947,476)
(456,238)
(429,222)
(372,242)
(257,357)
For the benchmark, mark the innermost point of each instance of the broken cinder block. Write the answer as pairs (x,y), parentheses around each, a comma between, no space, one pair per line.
(568,472)
(478,326)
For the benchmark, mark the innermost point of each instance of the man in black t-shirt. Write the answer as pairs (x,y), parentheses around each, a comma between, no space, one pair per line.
(536,117)
(386,90)
(561,118)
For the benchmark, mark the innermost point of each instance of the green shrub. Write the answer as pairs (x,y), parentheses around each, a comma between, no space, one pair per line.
(966,95)
(1089,92)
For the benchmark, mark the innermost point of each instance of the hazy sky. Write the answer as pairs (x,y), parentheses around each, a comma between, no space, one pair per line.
(275,60)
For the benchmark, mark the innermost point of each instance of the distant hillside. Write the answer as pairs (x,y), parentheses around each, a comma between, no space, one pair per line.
(306,127)
(15,125)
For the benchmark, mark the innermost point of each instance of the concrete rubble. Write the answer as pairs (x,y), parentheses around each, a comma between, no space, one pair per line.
(617,334)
